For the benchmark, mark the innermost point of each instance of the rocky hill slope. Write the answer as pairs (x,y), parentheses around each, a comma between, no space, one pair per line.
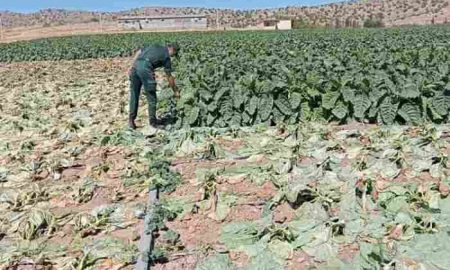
(346,14)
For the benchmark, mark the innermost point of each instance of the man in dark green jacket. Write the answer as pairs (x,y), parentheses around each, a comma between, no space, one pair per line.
(142,73)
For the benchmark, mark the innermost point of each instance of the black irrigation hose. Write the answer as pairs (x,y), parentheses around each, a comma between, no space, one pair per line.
(147,241)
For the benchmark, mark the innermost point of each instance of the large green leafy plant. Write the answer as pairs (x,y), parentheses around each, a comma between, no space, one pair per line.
(241,79)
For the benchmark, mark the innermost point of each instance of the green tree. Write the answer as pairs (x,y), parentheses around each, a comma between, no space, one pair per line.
(373,23)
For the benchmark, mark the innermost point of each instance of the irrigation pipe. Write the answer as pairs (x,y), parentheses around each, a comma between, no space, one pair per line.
(147,242)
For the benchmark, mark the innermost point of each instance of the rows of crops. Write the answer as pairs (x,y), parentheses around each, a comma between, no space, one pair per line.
(240,79)
(342,198)
(74,180)
(74,185)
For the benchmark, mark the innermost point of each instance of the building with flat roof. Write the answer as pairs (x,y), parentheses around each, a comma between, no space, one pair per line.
(173,22)
(276,24)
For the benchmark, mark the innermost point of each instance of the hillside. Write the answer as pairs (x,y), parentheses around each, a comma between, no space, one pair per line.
(348,14)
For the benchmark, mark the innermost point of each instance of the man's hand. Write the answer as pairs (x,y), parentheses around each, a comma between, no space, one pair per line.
(171,81)
(176,94)
(172,84)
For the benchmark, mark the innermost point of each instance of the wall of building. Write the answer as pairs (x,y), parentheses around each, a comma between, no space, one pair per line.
(129,24)
(284,25)
(165,23)
(273,25)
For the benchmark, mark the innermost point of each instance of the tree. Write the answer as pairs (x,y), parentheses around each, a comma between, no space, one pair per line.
(300,23)
(373,23)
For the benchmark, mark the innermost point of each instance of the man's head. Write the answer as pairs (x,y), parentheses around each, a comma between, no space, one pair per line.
(173,49)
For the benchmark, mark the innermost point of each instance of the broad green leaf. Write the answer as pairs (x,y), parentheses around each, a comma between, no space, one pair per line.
(352,229)
(433,199)
(217,262)
(323,251)
(236,120)
(419,165)
(212,107)
(193,115)
(340,110)
(265,107)
(410,113)
(428,249)
(388,110)
(296,100)
(278,116)
(309,216)
(348,94)
(283,105)
(404,218)
(436,170)
(386,168)
(376,94)
(440,105)
(226,109)
(253,105)
(409,91)
(239,234)
(219,94)
(238,99)
(336,264)
(373,111)
(223,207)
(312,92)
(281,249)
(329,99)
(375,226)
(264,261)
(397,204)
(361,104)
(210,119)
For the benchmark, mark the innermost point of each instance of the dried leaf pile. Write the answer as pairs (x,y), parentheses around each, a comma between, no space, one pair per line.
(74,183)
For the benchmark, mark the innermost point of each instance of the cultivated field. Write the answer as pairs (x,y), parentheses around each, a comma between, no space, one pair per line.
(296,150)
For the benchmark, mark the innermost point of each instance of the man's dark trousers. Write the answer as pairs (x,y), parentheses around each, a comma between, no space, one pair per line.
(143,75)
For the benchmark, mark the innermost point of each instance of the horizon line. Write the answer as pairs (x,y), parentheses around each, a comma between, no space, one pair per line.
(171,6)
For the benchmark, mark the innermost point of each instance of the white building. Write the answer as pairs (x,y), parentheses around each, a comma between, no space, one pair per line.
(284,25)
(276,24)
(164,22)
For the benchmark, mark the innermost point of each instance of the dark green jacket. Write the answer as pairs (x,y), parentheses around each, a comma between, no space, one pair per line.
(156,56)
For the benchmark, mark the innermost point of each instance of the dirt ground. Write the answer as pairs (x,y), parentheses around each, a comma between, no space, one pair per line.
(53,121)
(31,33)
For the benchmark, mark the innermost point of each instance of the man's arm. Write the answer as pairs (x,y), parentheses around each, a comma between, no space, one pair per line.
(135,57)
(170,78)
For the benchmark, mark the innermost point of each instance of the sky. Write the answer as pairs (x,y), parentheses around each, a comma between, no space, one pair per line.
(111,5)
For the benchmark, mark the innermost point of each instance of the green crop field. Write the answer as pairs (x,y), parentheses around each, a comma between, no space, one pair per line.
(310,149)
(240,79)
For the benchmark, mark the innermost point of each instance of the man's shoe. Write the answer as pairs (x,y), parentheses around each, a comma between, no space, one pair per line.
(131,125)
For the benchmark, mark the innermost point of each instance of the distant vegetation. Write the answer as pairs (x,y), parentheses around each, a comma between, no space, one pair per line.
(301,24)
(373,23)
